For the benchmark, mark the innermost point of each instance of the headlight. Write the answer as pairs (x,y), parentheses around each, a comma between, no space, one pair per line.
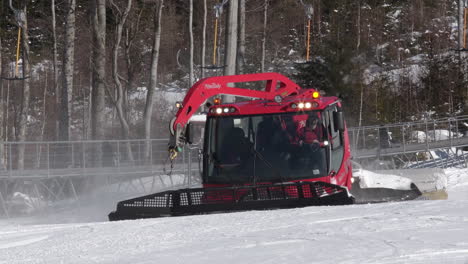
(300,105)
(308,105)
(219,110)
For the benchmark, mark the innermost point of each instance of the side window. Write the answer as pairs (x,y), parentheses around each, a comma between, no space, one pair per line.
(336,142)
(335,135)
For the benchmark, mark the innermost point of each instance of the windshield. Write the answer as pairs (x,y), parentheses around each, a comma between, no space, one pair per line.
(265,148)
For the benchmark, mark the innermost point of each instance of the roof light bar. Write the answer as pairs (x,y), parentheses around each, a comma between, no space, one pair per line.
(223,110)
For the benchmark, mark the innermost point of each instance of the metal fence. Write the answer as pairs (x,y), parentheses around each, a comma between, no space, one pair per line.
(83,158)
(127,157)
(60,171)
(410,137)
(53,171)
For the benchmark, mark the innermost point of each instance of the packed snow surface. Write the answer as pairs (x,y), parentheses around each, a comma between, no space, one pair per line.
(404,232)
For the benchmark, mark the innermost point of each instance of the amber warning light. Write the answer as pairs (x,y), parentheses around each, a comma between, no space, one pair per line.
(315,95)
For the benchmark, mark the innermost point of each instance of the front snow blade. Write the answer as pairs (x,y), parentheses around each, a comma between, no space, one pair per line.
(381,195)
(227,199)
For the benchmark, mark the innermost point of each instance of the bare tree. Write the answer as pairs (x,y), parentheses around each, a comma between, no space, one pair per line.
(55,62)
(358,23)
(231,38)
(98,105)
(131,32)
(231,43)
(241,48)
(22,23)
(68,64)
(463,8)
(203,51)
(191,42)
(121,18)
(2,102)
(150,97)
(265,22)
(99,68)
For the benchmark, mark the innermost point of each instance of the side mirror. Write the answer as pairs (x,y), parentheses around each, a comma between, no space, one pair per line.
(338,121)
(188,133)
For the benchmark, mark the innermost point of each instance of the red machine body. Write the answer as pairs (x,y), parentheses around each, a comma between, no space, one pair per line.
(285,147)
(279,96)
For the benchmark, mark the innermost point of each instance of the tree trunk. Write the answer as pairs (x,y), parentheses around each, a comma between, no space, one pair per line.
(231,39)
(131,31)
(68,70)
(150,97)
(203,51)
(2,105)
(358,45)
(120,93)
(55,80)
(265,21)
(461,38)
(24,111)
(99,76)
(241,50)
(461,23)
(99,69)
(44,121)
(319,22)
(191,77)
(231,43)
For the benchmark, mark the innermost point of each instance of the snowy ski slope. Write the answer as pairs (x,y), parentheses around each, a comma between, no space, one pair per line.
(405,232)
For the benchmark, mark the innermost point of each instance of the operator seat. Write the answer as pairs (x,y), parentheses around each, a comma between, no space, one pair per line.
(235,147)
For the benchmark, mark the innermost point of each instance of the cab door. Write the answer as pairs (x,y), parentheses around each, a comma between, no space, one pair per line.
(337,171)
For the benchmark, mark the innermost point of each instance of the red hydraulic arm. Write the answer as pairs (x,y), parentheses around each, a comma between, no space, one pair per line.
(276,84)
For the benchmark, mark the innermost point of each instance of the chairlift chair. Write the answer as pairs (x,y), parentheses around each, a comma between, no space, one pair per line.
(218,8)
(465,29)
(309,12)
(16,77)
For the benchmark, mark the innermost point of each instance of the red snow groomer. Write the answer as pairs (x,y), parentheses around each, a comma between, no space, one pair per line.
(288,147)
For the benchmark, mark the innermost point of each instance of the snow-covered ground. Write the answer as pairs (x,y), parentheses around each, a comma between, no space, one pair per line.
(405,232)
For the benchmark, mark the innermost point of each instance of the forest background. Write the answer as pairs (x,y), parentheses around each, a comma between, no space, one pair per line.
(97,69)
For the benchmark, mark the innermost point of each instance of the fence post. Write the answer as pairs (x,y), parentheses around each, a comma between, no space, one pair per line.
(83,155)
(5,209)
(73,155)
(151,155)
(48,159)
(427,136)
(189,167)
(10,162)
(403,130)
(363,138)
(378,143)
(118,155)
(450,133)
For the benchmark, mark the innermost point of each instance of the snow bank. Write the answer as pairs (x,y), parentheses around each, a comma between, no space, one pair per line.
(433,135)
(368,179)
